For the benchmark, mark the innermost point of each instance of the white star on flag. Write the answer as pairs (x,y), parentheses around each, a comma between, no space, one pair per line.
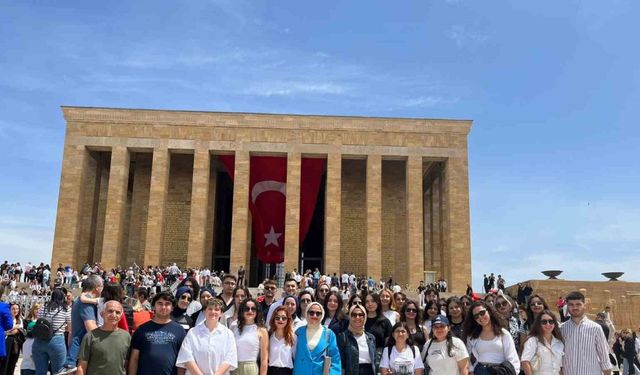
(272,238)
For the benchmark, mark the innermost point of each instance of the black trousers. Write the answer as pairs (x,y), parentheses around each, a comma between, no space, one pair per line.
(279,371)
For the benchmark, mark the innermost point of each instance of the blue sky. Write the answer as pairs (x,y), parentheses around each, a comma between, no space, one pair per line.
(552,87)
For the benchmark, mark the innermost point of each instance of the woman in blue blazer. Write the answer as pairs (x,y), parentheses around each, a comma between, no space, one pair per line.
(316,345)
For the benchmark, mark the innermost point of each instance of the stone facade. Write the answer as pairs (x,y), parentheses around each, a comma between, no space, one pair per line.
(140,186)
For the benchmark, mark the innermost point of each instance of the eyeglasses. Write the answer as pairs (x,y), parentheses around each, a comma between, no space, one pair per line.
(185,298)
(357,315)
(281,318)
(479,314)
(502,304)
(251,309)
(544,322)
(315,313)
(413,311)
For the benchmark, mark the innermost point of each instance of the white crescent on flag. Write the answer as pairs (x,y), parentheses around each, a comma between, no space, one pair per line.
(264,186)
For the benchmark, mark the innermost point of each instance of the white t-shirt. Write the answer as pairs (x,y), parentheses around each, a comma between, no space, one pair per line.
(549,357)
(440,361)
(404,362)
(363,349)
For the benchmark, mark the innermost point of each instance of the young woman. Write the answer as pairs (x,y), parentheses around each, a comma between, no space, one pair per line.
(252,340)
(184,296)
(209,348)
(354,300)
(321,293)
(334,319)
(281,343)
(455,310)
(14,339)
(411,315)
(291,304)
(376,323)
(316,346)
(445,354)
(304,298)
(488,343)
(230,317)
(430,312)
(544,347)
(54,349)
(388,306)
(466,304)
(357,347)
(206,294)
(504,307)
(399,298)
(400,356)
(535,306)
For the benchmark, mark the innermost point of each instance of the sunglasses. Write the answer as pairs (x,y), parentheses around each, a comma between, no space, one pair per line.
(251,309)
(305,300)
(281,318)
(315,313)
(502,304)
(270,288)
(479,314)
(324,290)
(545,322)
(413,311)
(357,315)
(185,298)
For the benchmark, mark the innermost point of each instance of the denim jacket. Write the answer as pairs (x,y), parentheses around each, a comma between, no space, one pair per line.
(349,352)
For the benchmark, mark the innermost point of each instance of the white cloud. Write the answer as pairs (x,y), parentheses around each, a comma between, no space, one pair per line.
(426,101)
(291,88)
(464,37)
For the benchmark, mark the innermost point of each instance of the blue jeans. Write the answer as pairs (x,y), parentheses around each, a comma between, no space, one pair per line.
(480,369)
(44,351)
(74,350)
(27,372)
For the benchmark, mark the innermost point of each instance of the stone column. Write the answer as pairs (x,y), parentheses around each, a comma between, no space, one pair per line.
(415,217)
(333,206)
(65,240)
(240,240)
(116,207)
(199,208)
(374,216)
(456,186)
(292,212)
(157,206)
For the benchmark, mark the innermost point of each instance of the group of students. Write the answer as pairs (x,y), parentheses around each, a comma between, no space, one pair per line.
(315,331)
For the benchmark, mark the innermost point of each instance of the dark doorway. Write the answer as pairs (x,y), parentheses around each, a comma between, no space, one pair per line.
(312,250)
(222,222)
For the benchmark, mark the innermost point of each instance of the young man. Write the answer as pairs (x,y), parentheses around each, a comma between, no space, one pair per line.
(586,350)
(290,289)
(104,350)
(229,283)
(155,344)
(83,319)
(269,296)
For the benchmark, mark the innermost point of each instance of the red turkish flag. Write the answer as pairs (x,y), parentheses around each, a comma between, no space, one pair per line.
(267,200)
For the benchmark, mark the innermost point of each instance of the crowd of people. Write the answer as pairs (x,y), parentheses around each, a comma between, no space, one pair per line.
(123,323)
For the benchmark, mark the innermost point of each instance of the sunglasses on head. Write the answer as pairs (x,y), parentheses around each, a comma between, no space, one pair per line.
(479,314)
(315,313)
(547,322)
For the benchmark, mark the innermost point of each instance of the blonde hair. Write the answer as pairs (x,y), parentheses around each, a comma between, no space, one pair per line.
(33,312)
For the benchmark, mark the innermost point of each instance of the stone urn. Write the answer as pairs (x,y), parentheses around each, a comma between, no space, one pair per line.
(552,274)
(612,276)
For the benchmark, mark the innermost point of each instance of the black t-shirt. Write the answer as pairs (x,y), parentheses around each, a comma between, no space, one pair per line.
(159,345)
(380,328)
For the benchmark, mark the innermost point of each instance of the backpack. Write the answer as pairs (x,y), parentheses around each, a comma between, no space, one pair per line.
(43,328)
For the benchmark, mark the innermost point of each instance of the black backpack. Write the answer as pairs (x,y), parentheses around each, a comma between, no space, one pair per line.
(43,328)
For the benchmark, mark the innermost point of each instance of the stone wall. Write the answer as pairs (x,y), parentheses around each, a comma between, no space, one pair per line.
(353,239)
(178,209)
(394,220)
(623,297)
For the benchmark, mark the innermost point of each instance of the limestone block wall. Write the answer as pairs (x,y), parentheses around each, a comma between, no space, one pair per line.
(139,209)
(623,297)
(176,230)
(394,221)
(353,239)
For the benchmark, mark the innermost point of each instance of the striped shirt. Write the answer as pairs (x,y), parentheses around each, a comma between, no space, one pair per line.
(59,317)
(586,351)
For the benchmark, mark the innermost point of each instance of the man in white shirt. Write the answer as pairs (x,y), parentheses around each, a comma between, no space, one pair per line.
(290,289)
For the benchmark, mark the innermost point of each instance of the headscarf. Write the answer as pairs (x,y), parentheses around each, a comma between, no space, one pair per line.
(209,290)
(306,313)
(357,331)
(284,301)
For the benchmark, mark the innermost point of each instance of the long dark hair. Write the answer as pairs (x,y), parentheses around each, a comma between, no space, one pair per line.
(195,286)
(403,312)
(428,306)
(339,315)
(376,299)
(536,327)
(299,311)
(471,328)
(391,341)
(57,302)
(19,316)
(530,317)
(449,341)
(458,302)
(259,320)
(112,292)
